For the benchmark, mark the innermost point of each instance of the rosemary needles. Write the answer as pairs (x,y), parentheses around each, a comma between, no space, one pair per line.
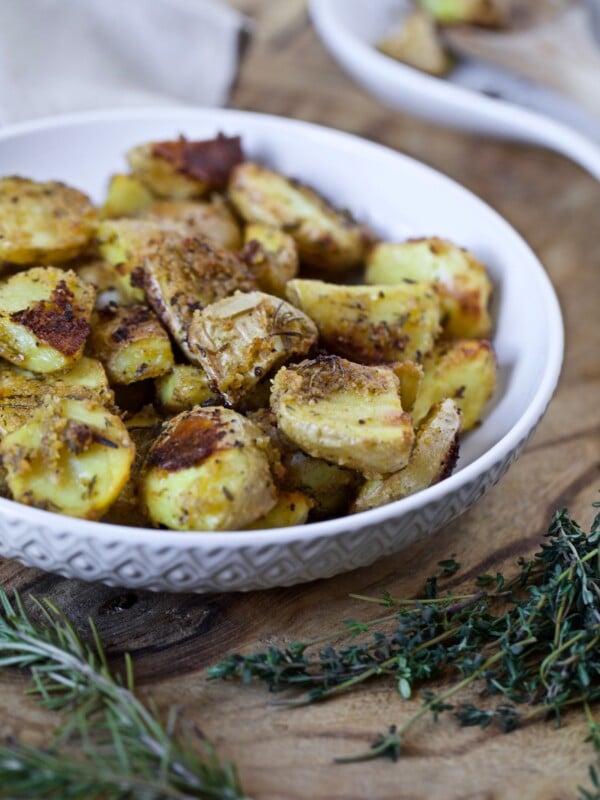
(530,642)
(110,746)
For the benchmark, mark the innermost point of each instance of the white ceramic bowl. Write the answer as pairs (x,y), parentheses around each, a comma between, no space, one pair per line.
(350,29)
(398,197)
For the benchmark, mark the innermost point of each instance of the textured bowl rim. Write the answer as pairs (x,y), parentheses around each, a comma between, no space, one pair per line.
(510,442)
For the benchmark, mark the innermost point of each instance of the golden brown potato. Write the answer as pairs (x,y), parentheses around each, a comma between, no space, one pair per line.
(272,255)
(461,280)
(491,13)
(131,343)
(212,219)
(433,459)
(371,324)
(179,170)
(72,456)
(410,375)
(126,197)
(184,387)
(239,339)
(181,275)
(346,413)
(43,223)
(328,240)
(416,42)
(44,318)
(291,508)
(208,470)
(21,392)
(463,370)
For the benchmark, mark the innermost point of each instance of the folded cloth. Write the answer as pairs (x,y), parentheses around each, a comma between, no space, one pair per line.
(68,55)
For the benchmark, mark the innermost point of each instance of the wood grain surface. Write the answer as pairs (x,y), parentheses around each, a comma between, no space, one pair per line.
(286,755)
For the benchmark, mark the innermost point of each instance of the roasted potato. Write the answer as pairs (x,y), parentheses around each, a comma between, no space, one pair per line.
(410,375)
(127,196)
(208,470)
(21,392)
(43,223)
(181,275)
(44,318)
(371,324)
(490,13)
(291,508)
(179,170)
(346,413)
(184,387)
(417,42)
(212,219)
(272,255)
(463,370)
(72,456)
(239,339)
(328,240)
(131,343)
(461,280)
(432,459)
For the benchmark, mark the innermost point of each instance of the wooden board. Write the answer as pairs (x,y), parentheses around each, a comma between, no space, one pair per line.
(286,755)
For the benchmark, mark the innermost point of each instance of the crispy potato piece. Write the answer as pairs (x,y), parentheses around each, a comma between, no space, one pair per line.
(410,375)
(131,343)
(208,470)
(417,43)
(44,318)
(464,286)
(184,387)
(489,13)
(371,324)
(272,255)
(463,370)
(21,392)
(43,223)
(433,459)
(291,508)
(179,170)
(126,197)
(346,413)
(72,456)
(328,240)
(241,338)
(182,275)
(212,219)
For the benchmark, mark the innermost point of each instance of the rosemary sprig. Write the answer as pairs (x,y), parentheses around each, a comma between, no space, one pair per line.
(533,639)
(110,745)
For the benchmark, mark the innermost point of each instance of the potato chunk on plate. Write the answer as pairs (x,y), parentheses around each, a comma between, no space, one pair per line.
(462,281)
(184,387)
(44,318)
(208,470)
(371,324)
(241,338)
(211,218)
(345,413)
(272,256)
(72,456)
(43,223)
(328,240)
(433,458)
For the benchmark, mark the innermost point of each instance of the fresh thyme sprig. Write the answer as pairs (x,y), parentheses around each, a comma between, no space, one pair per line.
(110,745)
(533,639)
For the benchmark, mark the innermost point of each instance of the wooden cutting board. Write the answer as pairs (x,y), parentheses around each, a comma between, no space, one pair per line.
(284,755)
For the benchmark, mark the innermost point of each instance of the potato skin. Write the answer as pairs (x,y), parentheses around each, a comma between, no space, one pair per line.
(433,458)
(371,324)
(345,413)
(208,470)
(212,219)
(43,223)
(328,240)
(44,318)
(72,456)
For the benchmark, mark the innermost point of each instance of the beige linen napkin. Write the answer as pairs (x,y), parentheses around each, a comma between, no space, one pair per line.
(68,55)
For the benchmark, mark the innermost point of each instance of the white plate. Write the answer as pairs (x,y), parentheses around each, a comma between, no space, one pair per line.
(350,29)
(400,198)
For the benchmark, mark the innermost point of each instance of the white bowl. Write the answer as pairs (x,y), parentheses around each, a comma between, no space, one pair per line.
(398,197)
(350,29)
